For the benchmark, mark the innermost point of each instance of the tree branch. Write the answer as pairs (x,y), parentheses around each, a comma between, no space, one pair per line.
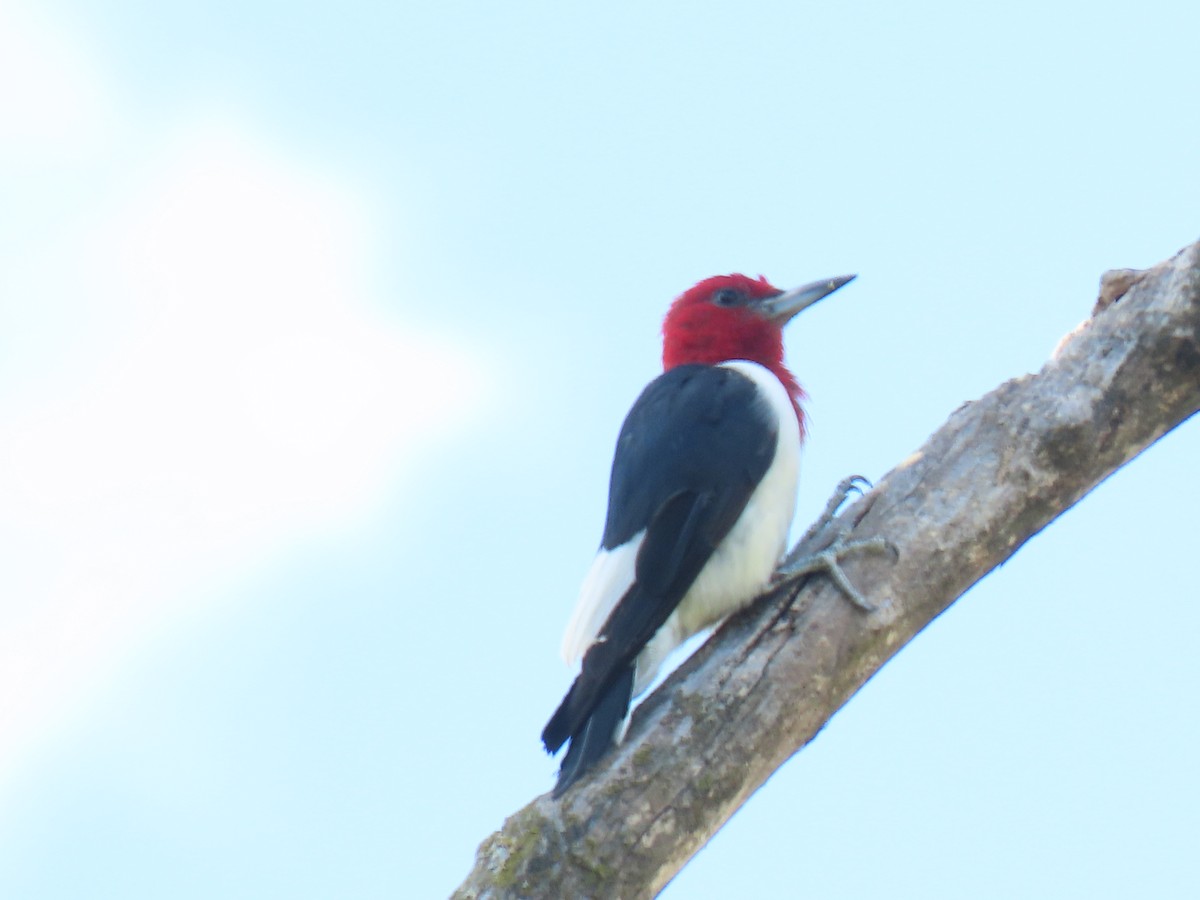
(995,474)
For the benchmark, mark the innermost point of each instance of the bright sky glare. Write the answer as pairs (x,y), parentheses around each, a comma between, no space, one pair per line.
(240,386)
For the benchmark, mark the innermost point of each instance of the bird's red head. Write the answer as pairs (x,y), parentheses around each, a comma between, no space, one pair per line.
(719,320)
(731,317)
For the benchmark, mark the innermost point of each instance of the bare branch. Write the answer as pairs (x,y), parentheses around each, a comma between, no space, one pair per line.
(994,475)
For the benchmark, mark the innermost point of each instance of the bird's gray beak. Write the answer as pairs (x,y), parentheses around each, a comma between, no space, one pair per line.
(782,308)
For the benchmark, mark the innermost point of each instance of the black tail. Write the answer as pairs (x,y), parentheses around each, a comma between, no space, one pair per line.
(596,736)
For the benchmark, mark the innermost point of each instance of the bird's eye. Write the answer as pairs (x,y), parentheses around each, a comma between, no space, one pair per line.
(726,297)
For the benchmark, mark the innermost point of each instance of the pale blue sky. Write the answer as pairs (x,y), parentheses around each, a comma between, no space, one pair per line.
(317,325)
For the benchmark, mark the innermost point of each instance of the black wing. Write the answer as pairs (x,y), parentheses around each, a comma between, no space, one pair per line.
(693,448)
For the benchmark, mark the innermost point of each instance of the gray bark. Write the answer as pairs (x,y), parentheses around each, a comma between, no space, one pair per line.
(987,481)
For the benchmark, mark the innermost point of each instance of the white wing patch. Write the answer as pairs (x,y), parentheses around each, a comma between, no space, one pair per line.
(611,575)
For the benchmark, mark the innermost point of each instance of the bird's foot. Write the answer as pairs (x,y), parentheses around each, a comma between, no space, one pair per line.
(845,488)
(828,559)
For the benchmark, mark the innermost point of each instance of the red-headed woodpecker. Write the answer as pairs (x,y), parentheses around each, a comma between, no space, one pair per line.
(702,493)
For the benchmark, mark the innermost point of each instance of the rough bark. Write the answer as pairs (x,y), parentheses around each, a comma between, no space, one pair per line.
(993,476)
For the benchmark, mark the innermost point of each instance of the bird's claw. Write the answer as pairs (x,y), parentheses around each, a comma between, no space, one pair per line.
(829,561)
(847,486)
